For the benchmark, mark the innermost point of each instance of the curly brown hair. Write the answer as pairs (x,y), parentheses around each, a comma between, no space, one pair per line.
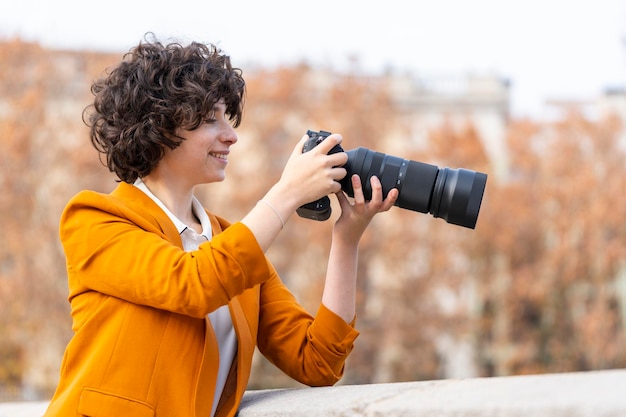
(155,90)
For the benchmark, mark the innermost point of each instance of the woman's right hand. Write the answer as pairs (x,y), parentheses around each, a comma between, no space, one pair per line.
(311,175)
(307,177)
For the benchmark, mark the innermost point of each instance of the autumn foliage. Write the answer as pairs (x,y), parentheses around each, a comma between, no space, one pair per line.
(539,286)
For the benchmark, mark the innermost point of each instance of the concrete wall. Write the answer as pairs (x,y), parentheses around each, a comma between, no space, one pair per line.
(582,394)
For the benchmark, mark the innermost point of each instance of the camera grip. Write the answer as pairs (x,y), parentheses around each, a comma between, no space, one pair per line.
(316,210)
(319,210)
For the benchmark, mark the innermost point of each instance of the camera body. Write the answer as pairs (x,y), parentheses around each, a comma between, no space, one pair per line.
(452,194)
(319,210)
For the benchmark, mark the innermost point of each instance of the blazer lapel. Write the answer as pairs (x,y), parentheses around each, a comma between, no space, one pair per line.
(149,210)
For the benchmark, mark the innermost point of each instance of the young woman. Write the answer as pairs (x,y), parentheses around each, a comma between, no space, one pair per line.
(168,300)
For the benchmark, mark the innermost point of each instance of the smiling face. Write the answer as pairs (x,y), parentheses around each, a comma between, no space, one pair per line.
(203,154)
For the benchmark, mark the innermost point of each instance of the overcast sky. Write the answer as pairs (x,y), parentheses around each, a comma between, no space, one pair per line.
(549,49)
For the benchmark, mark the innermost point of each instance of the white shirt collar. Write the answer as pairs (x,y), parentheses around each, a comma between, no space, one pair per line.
(196,207)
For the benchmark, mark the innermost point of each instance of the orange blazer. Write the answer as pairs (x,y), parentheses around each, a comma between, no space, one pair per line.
(143,345)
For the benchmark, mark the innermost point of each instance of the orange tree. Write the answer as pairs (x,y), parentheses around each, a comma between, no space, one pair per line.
(44,160)
(553,252)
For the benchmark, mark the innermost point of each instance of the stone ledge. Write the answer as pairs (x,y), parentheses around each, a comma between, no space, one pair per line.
(578,394)
(23,409)
(581,394)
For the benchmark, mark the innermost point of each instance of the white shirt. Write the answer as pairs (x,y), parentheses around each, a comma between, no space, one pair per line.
(220,318)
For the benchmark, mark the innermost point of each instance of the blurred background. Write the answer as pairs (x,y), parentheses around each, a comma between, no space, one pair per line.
(532,93)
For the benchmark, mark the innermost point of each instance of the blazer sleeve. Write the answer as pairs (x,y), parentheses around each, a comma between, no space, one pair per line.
(310,349)
(117,250)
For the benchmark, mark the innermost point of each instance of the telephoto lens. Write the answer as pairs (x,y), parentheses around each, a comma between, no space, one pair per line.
(454,195)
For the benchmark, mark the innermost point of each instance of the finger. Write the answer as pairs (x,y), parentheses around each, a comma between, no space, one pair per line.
(391,199)
(344,203)
(377,190)
(357,187)
(338,159)
(338,173)
(327,144)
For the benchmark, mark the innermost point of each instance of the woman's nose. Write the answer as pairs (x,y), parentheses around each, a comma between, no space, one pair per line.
(229,135)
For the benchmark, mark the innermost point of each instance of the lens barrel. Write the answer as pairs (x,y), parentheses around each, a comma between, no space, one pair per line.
(455,195)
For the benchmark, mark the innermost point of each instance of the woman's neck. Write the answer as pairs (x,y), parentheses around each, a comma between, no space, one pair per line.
(177,198)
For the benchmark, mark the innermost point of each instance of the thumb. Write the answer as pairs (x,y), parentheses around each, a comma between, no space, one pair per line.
(344,203)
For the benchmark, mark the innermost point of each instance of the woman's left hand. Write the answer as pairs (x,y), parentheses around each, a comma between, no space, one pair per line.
(357,214)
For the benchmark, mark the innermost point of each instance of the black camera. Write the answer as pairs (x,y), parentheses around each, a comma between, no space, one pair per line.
(455,195)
